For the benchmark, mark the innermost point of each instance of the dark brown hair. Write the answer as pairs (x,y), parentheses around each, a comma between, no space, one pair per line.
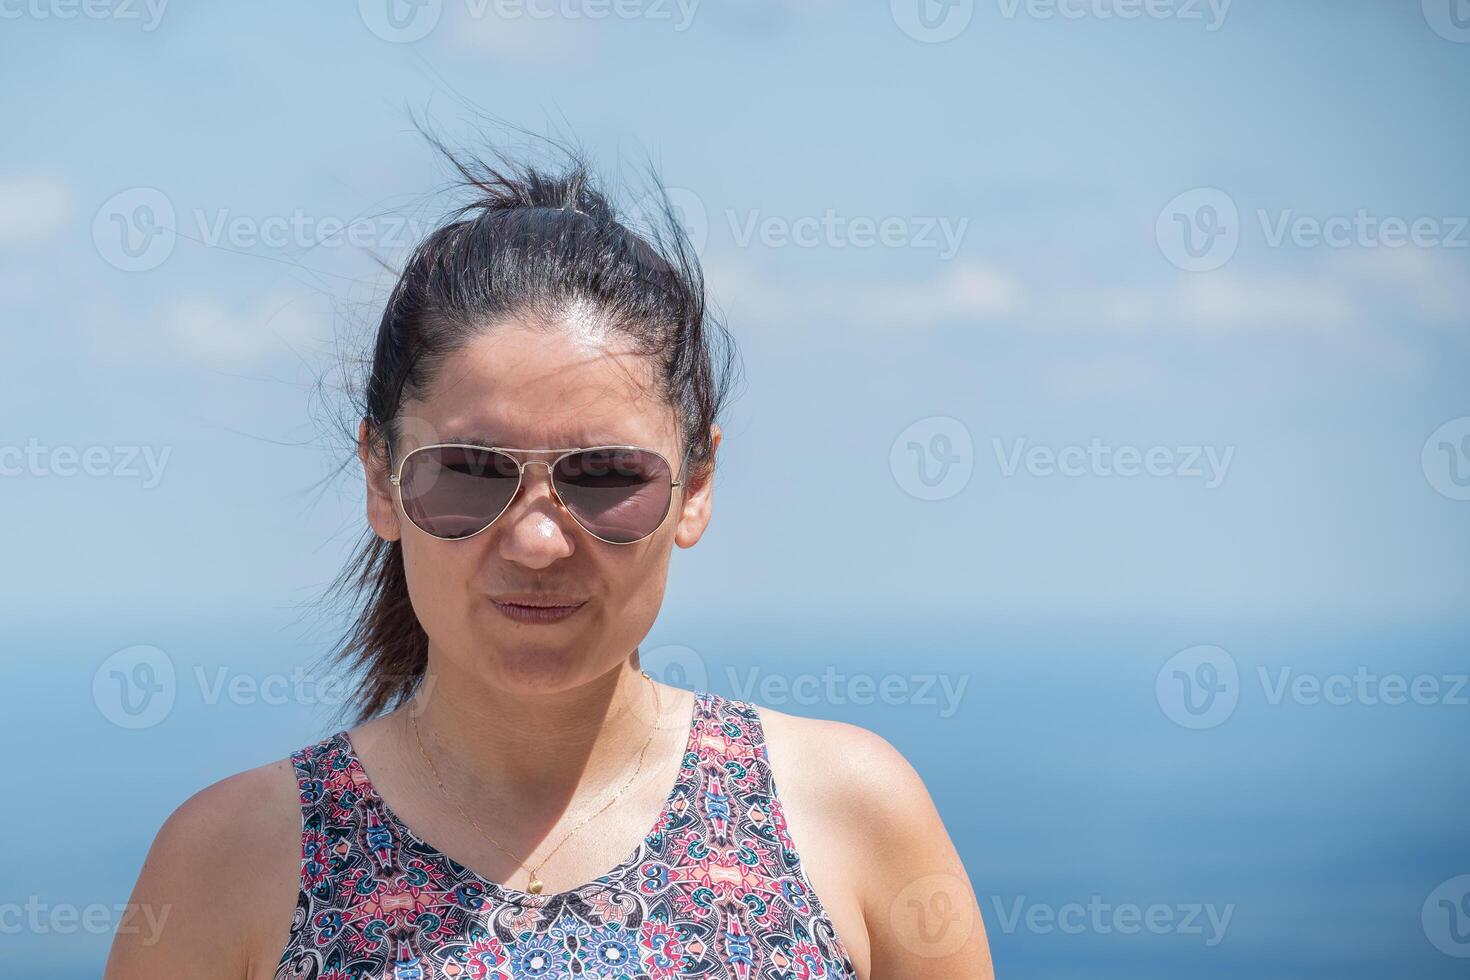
(528,243)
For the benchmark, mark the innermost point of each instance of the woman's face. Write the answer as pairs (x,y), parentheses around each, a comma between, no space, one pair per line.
(529,389)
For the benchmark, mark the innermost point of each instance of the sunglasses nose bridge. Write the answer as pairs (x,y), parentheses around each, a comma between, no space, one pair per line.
(548,464)
(525,463)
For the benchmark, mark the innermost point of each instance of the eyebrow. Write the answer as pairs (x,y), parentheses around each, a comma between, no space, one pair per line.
(488,442)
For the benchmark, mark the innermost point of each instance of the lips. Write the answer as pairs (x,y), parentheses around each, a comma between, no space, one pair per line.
(537,609)
(538,600)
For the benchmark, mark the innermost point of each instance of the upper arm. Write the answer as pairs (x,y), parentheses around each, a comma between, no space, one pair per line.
(213,887)
(922,916)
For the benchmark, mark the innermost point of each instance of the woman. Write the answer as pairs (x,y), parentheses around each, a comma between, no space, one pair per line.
(538,430)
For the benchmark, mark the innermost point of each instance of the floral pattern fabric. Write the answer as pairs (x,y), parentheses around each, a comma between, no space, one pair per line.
(715,890)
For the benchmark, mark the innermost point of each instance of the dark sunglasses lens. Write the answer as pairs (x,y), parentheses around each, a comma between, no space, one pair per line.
(456,491)
(620,495)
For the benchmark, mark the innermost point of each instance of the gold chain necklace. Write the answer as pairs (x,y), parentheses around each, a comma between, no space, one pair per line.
(533,884)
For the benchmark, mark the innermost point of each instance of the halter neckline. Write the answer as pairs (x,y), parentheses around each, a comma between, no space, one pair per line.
(500,890)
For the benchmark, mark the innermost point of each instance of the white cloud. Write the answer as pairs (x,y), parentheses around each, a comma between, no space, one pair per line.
(962,290)
(1429,280)
(33,209)
(202,328)
(1357,290)
(1202,301)
(1333,290)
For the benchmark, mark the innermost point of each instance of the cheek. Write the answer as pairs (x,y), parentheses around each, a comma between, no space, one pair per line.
(440,575)
(639,583)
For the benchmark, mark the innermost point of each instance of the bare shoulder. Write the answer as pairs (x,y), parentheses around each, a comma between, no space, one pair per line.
(855,768)
(218,884)
(867,815)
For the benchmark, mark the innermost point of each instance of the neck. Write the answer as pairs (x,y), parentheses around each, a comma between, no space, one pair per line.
(491,746)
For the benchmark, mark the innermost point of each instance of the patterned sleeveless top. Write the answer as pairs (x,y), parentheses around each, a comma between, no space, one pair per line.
(715,890)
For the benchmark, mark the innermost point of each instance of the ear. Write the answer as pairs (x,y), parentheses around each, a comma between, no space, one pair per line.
(697,498)
(382,514)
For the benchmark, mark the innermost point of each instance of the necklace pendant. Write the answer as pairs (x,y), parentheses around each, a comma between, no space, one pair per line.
(534,886)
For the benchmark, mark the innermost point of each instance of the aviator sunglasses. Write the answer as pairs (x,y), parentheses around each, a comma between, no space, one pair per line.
(453,491)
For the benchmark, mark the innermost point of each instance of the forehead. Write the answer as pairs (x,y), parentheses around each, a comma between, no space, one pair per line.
(541,388)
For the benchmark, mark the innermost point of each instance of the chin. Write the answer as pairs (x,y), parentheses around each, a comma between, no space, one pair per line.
(538,669)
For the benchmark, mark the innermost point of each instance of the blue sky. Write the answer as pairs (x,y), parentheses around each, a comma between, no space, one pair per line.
(976,282)
(1023,165)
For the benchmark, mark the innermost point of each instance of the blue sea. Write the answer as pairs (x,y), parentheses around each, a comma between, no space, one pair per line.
(1313,829)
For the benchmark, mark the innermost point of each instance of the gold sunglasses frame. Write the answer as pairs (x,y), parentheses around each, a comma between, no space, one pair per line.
(396,479)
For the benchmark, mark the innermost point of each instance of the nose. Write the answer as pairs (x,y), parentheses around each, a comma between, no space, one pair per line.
(535,529)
